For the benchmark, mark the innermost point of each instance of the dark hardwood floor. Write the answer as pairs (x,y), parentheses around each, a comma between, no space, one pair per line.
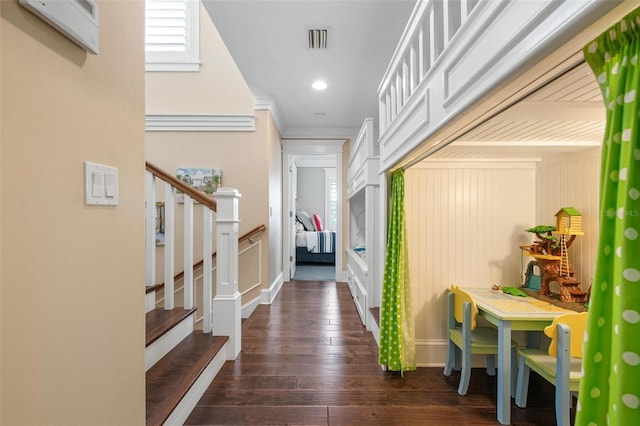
(307,359)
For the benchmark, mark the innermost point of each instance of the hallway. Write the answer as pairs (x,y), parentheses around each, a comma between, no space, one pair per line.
(307,359)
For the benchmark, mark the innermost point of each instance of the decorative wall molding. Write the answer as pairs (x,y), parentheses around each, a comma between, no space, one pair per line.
(321,133)
(200,123)
(458,79)
(265,102)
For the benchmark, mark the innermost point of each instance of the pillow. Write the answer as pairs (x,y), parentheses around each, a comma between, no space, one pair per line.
(305,219)
(299,226)
(317,222)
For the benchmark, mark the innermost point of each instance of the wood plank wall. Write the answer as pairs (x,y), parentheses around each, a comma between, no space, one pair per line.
(465,221)
(573,181)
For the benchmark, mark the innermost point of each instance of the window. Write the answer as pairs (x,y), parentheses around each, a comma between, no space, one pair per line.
(331,199)
(172,35)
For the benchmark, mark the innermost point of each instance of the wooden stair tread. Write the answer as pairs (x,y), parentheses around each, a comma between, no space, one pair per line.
(159,321)
(170,379)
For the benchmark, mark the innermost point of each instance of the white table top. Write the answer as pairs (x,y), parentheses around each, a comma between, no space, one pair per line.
(514,308)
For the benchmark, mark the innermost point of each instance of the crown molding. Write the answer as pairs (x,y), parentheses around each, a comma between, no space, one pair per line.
(199,123)
(322,133)
(265,102)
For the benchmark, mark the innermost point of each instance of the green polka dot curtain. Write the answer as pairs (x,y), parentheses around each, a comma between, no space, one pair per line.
(397,335)
(610,390)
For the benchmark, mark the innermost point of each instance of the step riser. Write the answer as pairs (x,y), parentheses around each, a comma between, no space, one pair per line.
(155,351)
(188,403)
(150,302)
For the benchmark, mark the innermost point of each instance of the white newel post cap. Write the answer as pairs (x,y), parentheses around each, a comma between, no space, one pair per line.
(227,201)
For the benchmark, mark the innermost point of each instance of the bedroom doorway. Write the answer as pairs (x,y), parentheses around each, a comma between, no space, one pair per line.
(312,205)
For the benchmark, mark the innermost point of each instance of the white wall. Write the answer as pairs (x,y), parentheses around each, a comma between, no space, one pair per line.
(573,180)
(465,221)
(311,188)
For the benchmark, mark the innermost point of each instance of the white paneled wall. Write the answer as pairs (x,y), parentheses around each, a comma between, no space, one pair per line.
(465,221)
(573,181)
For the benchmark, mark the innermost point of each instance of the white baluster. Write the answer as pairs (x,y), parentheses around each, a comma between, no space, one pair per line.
(399,93)
(423,54)
(413,67)
(382,114)
(464,11)
(207,283)
(433,36)
(169,245)
(446,21)
(150,229)
(188,252)
(405,82)
(394,103)
(388,110)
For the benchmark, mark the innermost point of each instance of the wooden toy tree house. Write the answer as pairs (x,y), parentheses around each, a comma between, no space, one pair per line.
(552,254)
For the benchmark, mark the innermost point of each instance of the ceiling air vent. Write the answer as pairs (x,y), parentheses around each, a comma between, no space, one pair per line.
(318,38)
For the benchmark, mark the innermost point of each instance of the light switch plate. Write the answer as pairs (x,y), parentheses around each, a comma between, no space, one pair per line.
(100,185)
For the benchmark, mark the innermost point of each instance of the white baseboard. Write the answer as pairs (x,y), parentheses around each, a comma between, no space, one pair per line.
(341,276)
(270,294)
(373,328)
(188,403)
(433,353)
(155,351)
(248,308)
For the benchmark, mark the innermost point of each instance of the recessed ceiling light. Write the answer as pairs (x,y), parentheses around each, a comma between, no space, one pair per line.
(319,85)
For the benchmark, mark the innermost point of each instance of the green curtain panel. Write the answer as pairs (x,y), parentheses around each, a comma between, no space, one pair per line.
(397,334)
(610,390)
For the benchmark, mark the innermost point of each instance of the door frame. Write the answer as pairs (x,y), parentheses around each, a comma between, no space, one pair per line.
(291,148)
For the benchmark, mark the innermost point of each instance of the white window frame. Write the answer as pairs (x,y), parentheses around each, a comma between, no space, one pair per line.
(186,60)
(329,176)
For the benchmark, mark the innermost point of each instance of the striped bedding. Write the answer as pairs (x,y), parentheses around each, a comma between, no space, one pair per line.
(321,241)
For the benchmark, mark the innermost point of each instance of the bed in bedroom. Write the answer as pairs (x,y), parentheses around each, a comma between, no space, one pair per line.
(315,247)
(313,244)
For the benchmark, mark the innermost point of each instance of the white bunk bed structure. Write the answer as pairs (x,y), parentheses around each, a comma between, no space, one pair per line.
(363,191)
(460,63)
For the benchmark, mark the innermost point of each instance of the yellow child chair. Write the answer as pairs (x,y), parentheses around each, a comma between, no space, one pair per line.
(561,364)
(466,339)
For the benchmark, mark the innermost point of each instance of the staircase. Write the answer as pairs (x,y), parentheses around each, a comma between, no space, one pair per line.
(180,361)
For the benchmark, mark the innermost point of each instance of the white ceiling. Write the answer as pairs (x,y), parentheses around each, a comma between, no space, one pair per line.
(565,116)
(268,40)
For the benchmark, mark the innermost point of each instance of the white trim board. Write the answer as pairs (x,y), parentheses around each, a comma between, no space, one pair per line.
(199,123)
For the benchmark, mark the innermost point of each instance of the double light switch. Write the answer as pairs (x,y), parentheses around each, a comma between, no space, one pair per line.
(100,185)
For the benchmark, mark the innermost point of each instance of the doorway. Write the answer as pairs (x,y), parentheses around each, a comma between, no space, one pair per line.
(319,156)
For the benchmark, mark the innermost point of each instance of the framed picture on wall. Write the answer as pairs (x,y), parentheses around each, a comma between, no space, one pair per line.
(205,180)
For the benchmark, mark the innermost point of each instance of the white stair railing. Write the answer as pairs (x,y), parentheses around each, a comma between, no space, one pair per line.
(227,298)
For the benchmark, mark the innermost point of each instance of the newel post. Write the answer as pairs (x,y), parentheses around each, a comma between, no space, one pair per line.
(227,306)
